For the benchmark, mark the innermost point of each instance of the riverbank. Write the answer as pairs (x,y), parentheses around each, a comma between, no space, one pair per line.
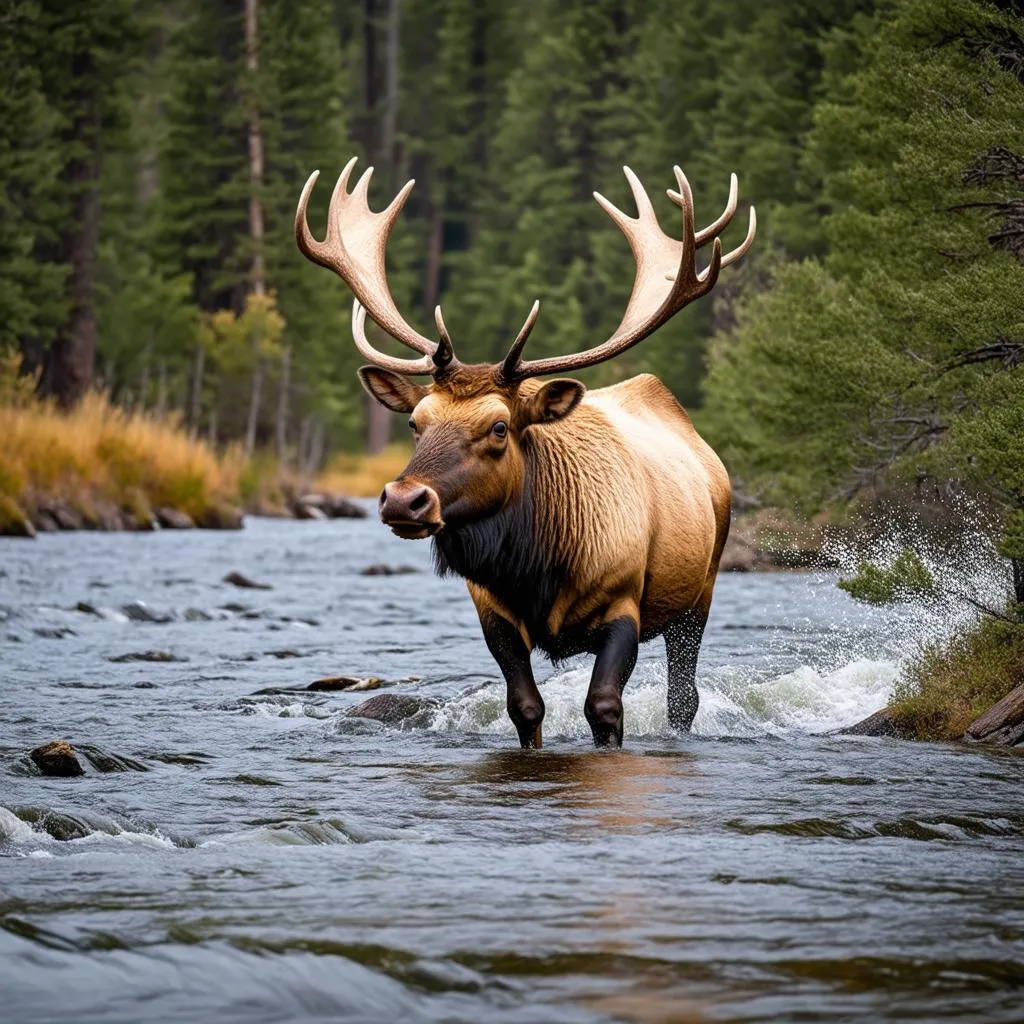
(102,468)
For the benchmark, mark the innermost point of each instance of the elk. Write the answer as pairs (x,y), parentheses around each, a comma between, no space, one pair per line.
(581,521)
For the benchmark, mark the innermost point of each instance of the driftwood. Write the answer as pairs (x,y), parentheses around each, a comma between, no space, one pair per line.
(1003,723)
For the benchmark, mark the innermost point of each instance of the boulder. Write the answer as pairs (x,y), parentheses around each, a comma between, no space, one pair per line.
(57,759)
(1002,724)
(304,511)
(172,519)
(881,723)
(44,521)
(237,579)
(67,518)
(338,507)
(389,708)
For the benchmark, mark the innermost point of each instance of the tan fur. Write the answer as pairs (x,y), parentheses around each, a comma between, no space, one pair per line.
(645,505)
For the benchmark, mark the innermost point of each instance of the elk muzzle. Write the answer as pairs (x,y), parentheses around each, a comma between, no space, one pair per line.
(411,509)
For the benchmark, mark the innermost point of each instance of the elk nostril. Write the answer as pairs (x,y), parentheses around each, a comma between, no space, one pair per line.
(419,502)
(383,497)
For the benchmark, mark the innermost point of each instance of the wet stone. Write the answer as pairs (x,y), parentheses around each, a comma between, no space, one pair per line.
(154,656)
(344,683)
(172,519)
(389,708)
(54,632)
(237,579)
(57,759)
(104,761)
(139,611)
(388,570)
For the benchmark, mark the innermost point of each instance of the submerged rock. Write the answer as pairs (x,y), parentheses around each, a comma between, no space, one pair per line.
(381,569)
(57,759)
(156,656)
(1002,724)
(54,632)
(104,761)
(389,708)
(237,579)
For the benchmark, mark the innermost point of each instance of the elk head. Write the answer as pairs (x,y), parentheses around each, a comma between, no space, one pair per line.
(472,421)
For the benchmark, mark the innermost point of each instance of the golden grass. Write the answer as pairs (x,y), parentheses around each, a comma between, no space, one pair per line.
(99,452)
(948,685)
(363,476)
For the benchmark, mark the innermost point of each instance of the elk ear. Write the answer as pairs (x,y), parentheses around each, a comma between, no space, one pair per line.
(397,393)
(555,400)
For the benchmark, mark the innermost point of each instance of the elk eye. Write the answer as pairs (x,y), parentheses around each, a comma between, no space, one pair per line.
(412,423)
(500,429)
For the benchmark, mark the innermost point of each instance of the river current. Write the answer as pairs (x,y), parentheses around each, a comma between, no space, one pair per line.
(271,859)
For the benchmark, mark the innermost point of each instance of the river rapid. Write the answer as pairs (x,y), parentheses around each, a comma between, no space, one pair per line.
(279,861)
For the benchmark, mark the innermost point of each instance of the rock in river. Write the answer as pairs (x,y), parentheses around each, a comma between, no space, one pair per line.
(158,656)
(388,708)
(172,519)
(237,579)
(881,723)
(57,759)
(381,569)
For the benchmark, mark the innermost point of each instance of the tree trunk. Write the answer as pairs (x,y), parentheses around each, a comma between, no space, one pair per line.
(196,390)
(378,419)
(258,273)
(69,364)
(282,403)
(161,389)
(435,250)
(1018,582)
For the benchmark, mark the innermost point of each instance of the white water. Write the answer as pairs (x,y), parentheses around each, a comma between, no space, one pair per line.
(733,702)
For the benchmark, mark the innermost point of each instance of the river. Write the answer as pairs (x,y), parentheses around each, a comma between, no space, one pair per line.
(279,861)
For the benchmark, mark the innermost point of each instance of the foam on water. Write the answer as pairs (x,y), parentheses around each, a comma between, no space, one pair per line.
(732,702)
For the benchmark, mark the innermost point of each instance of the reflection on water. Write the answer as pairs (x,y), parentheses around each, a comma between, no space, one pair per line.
(278,861)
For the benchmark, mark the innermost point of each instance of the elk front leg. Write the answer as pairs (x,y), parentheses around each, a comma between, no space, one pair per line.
(616,656)
(525,704)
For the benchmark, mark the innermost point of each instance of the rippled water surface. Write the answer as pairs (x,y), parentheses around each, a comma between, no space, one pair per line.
(279,861)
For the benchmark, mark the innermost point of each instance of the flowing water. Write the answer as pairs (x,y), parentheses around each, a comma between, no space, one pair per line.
(277,860)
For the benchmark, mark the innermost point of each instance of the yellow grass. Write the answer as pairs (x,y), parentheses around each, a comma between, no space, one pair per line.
(99,452)
(363,476)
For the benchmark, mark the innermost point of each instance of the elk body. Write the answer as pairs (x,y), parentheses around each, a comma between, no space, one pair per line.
(582,521)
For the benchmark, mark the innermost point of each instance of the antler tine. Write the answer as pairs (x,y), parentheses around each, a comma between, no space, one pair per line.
(425,364)
(727,214)
(444,353)
(511,362)
(666,274)
(354,248)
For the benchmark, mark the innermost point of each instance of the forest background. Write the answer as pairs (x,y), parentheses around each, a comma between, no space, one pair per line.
(152,152)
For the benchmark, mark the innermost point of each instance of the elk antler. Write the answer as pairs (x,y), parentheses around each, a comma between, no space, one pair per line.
(666,276)
(354,249)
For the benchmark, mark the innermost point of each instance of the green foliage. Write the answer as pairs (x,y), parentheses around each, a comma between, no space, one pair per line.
(905,579)
(948,685)
(899,351)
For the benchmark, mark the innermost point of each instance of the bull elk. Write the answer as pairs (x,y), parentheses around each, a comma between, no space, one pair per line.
(582,521)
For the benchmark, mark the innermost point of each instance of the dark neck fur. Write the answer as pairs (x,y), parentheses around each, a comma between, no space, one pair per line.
(509,556)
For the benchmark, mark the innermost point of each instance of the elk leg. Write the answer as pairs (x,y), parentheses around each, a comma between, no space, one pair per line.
(525,704)
(616,657)
(682,645)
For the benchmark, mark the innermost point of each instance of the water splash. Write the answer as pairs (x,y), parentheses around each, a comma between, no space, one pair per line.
(733,702)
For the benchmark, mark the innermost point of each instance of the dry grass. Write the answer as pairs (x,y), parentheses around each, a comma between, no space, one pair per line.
(99,452)
(363,476)
(949,685)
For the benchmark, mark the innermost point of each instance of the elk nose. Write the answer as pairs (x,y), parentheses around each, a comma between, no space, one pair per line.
(406,503)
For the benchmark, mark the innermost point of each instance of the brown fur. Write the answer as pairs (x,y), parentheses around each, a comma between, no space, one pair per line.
(628,506)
